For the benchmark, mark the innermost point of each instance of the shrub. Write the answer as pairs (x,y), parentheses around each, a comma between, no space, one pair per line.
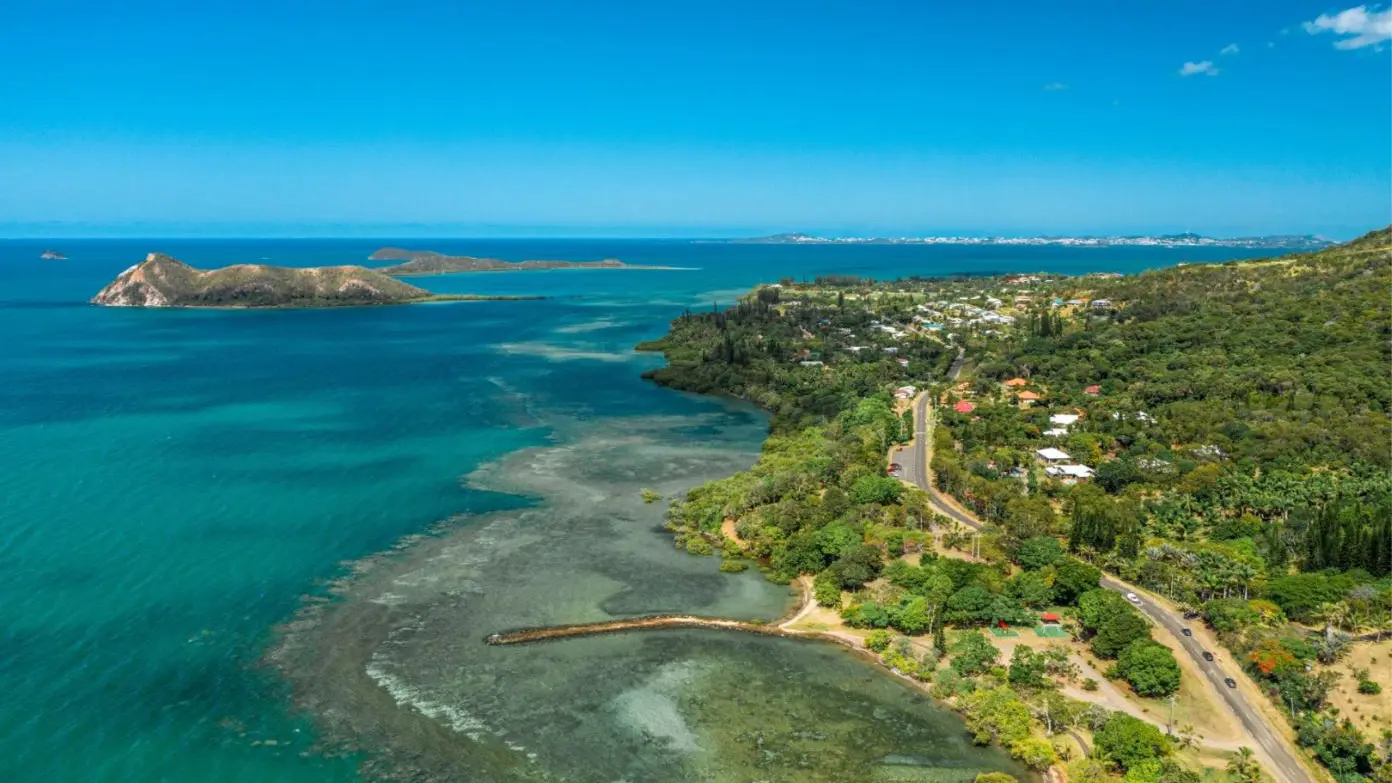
(1369,687)
(877,640)
(695,545)
(731,566)
(1128,741)
(1089,684)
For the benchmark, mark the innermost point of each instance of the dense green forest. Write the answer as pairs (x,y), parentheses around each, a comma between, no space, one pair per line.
(1236,418)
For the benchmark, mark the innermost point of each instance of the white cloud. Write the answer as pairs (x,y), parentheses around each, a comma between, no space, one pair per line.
(1193,69)
(1229,49)
(1055,86)
(1361,26)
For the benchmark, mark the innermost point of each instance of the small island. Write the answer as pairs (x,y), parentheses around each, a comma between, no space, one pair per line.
(429,262)
(162,281)
(53,255)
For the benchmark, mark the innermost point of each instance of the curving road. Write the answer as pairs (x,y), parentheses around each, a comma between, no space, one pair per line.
(1281,761)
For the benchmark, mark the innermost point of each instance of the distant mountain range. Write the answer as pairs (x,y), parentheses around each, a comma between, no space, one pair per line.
(1305,242)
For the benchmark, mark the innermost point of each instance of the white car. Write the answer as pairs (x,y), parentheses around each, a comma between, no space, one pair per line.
(1133,598)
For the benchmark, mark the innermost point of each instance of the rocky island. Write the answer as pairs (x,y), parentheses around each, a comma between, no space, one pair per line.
(429,262)
(162,281)
(53,255)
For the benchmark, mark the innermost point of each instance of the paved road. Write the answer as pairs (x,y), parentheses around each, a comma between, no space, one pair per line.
(1287,767)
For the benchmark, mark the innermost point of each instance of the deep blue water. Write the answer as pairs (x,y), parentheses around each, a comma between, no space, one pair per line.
(175,481)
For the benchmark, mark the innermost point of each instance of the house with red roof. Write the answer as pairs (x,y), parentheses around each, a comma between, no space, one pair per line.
(1093,390)
(964,407)
(1016,382)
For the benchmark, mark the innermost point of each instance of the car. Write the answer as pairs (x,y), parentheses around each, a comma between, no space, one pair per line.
(1230,682)
(1133,598)
(1191,615)
(1207,656)
(1187,632)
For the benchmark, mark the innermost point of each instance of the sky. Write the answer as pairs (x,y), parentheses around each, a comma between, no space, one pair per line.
(681,118)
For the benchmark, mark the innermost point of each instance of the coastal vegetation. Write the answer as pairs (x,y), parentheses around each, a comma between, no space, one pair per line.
(1217,434)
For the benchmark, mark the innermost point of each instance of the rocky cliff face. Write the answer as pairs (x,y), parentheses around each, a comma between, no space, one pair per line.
(161,281)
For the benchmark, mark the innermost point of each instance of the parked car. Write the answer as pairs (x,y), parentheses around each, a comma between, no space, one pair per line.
(895,468)
(1230,682)
(1133,598)
(1187,632)
(1191,615)
(1207,656)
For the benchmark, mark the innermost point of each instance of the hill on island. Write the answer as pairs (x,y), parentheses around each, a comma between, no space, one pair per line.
(161,281)
(429,262)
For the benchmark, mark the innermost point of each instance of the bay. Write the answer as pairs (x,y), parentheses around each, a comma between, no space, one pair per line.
(176,484)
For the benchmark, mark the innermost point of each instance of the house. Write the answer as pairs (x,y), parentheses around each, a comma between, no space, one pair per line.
(1101,304)
(1028,398)
(1069,474)
(964,407)
(1093,390)
(905,392)
(810,363)
(1064,419)
(903,362)
(1052,455)
(1056,432)
(1050,618)
(1015,383)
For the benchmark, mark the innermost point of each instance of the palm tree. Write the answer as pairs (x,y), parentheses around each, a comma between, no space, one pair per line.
(1243,767)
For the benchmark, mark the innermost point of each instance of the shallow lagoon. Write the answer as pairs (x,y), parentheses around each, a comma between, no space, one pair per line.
(175,482)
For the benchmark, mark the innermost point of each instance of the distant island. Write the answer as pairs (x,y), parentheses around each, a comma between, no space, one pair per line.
(162,281)
(429,262)
(1291,242)
(53,255)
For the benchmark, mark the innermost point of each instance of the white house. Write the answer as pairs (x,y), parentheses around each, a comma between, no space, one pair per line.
(905,392)
(1052,454)
(1064,419)
(1056,432)
(1069,474)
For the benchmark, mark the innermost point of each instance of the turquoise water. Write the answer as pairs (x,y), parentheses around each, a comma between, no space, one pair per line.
(175,483)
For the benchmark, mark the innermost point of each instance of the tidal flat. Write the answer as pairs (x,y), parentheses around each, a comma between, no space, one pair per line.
(394,664)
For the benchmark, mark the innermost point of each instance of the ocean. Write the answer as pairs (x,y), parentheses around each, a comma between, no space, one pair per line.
(266,546)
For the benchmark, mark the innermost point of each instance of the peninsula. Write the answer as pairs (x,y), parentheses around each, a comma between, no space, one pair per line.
(429,262)
(162,281)
(1282,242)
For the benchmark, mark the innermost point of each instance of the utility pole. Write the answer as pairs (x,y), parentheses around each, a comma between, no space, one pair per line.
(1170,728)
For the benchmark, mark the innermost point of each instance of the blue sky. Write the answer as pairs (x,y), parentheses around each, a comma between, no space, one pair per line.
(677,118)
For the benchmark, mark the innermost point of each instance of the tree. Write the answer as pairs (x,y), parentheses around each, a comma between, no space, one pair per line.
(1243,767)
(857,565)
(1128,741)
(911,615)
(1027,668)
(1031,589)
(1096,606)
(995,777)
(826,588)
(1039,552)
(1034,752)
(1150,668)
(1118,632)
(995,715)
(1072,578)
(973,654)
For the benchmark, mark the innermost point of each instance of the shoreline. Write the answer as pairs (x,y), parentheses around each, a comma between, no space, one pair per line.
(625,267)
(439,299)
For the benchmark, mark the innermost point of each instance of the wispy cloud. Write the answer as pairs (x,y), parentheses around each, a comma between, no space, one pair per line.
(1360,27)
(1055,86)
(1194,69)
(1229,49)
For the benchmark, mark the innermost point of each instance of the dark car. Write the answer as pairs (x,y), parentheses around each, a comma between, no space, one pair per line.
(1231,683)
(1187,632)
(1207,656)
(1190,615)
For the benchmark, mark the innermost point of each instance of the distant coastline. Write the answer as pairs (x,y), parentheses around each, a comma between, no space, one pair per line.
(417,263)
(1282,242)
